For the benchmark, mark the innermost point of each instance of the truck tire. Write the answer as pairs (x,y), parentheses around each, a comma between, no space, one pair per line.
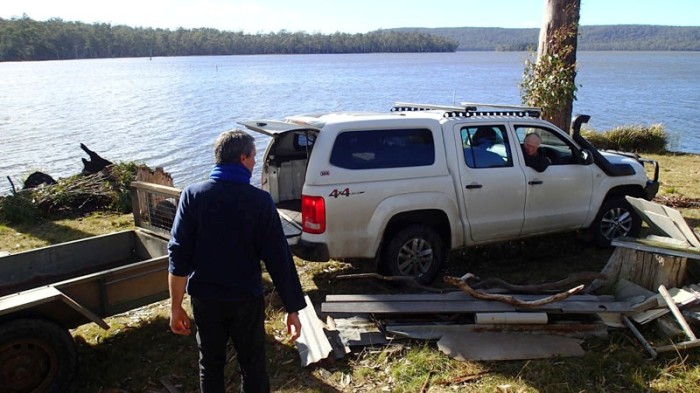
(36,355)
(415,251)
(615,218)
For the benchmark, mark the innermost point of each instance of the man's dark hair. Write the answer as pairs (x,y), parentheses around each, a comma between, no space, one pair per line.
(230,145)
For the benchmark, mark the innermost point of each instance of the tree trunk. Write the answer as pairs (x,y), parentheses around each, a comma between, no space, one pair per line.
(560,30)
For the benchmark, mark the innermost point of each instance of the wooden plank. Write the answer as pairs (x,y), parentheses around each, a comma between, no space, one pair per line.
(676,216)
(436,331)
(681,297)
(507,346)
(677,346)
(157,188)
(656,247)
(511,318)
(667,225)
(642,206)
(649,310)
(468,306)
(449,296)
(676,313)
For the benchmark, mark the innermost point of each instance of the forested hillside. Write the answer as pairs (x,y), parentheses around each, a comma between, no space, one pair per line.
(26,39)
(614,37)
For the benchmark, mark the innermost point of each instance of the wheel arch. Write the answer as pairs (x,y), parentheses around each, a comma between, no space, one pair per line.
(620,191)
(429,208)
(623,190)
(434,218)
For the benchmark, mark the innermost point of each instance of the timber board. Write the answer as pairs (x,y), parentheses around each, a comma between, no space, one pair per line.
(469,306)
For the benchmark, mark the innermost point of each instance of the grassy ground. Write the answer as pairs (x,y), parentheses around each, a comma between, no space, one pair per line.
(138,349)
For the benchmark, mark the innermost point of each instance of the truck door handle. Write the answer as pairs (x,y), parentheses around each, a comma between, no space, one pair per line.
(535,182)
(472,186)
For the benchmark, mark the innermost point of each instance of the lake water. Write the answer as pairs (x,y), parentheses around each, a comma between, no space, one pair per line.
(168,111)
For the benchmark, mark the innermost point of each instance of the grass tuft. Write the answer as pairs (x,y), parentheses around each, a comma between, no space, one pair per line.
(634,138)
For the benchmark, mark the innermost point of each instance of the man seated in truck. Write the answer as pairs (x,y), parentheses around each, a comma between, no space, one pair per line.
(480,154)
(534,158)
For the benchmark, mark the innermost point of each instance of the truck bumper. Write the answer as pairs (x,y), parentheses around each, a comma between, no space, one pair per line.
(312,252)
(651,189)
(652,186)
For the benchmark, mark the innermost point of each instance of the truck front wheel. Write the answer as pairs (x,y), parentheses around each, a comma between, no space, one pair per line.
(415,251)
(36,355)
(616,218)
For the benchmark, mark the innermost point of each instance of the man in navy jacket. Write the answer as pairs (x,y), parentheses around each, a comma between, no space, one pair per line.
(222,230)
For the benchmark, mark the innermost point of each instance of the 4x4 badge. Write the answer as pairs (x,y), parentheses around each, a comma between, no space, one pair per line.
(346,192)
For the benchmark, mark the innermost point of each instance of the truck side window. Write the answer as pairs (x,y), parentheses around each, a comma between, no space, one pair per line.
(486,147)
(554,146)
(372,149)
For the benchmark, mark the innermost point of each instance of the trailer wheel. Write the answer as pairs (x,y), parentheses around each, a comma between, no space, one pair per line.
(414,251)
(36,355)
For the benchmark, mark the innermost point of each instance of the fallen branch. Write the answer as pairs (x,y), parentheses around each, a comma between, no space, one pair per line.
(574,278)
(12,185)
(510,299)
(404,279)
(426,384)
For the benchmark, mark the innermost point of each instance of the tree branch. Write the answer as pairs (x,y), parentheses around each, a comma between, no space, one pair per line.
(580,277)
(508,298)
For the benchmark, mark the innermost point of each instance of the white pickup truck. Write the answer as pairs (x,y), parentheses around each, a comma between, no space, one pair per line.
(406,186)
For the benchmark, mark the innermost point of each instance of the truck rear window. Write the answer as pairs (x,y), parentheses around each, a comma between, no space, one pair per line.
(373,149)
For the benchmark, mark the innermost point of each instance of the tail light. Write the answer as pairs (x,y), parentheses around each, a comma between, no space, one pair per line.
(313,214)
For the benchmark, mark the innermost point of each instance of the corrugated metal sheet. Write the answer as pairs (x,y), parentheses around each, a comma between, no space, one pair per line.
(313,345)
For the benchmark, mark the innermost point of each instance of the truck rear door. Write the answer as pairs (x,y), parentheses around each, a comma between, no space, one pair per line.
(284,165)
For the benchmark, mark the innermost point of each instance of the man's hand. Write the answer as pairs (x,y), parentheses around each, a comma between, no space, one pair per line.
(293,326)
(179,321)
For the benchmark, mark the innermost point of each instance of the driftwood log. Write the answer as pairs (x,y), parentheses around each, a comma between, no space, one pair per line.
(36,179)
(457,282)
(574,278)
(96,162)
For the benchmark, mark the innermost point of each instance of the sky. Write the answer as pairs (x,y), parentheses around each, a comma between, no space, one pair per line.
(346,16)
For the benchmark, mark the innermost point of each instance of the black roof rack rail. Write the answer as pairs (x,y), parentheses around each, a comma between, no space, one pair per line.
(410,107)
(469,109)
(500,106)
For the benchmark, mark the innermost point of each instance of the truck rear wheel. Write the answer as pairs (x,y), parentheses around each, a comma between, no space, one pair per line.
(616,218)
(415,251)
(36,355)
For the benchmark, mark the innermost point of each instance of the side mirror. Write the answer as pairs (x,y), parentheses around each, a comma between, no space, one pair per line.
(586,157)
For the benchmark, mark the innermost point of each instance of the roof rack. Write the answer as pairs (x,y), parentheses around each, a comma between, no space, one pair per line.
(470,109)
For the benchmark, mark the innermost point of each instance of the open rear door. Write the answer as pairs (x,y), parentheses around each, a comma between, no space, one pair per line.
(274,127)
(289,151)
